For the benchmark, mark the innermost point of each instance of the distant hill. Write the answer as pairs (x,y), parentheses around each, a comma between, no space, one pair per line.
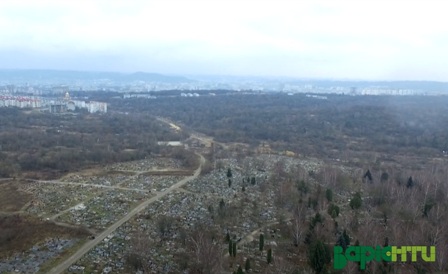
(66,76)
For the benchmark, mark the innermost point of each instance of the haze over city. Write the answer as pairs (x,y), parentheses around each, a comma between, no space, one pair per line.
(316,39)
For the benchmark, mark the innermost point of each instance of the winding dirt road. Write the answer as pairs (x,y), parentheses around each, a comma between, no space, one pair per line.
(92,243)
(90,185)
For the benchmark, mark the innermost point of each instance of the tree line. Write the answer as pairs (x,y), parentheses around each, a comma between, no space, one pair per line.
(32,141)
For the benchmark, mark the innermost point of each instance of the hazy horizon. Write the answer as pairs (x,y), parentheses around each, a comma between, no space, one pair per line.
(346,40)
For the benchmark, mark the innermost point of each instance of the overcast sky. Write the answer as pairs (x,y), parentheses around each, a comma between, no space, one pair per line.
(389,40)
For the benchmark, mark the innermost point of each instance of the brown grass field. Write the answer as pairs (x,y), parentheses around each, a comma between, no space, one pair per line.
(19,233)
(11,199)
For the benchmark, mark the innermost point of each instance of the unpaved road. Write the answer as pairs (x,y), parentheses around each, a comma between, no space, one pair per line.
(90,185)
(92,243)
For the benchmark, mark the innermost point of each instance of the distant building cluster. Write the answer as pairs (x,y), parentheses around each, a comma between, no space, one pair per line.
(189,94)
(147,96)
(317,96)
(383,91)
(293,89)
(67,104)
(52,105)
(20,101)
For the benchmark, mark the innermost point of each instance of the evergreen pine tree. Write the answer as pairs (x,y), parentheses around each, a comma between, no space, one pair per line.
(222,204)
(319,256)
(356,201)
(229,173)
(346,237)
(269,256)
(426,208)
(368,175)
(222,208)
(252,181)
(410,183)
(333,210)
(261,245)
(316,219)
(329,195)
(247,265)
(302,187)
(234,249)
(343,240)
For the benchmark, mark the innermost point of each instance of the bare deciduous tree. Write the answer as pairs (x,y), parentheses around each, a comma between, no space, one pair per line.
(206,253)
(298,228)
(137,258)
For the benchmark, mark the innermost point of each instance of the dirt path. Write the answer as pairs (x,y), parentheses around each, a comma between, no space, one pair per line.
(90,185)
(206,140)
(89,245)
(90,198)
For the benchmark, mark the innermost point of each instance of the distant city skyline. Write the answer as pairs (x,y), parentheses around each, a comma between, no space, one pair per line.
(365,40)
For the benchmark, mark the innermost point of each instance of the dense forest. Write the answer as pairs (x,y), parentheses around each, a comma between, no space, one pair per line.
(33,141)
(411,122)
(402,124)
(337,127)
(407,125)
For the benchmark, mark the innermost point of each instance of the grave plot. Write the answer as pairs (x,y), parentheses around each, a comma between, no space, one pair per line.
(109,180)
(146,165)
(50,199)
(151,183)
(103,210)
